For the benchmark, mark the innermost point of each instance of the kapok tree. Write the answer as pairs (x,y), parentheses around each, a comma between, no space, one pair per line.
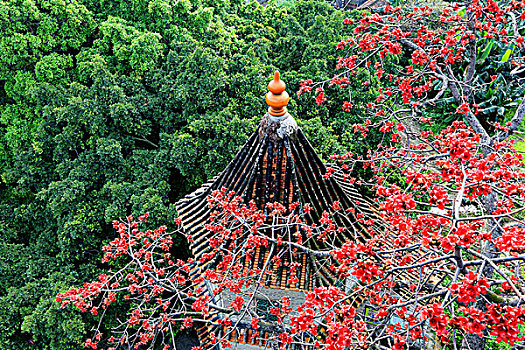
(437,265)
(419,59)
(427,67)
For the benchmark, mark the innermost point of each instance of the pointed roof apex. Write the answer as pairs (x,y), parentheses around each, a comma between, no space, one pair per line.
(277,98)
(277,86)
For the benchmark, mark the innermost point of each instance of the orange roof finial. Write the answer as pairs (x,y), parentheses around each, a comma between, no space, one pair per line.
(277,98)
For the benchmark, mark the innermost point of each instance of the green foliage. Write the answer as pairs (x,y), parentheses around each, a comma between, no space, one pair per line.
(498,92)
(37,321)
(110,108)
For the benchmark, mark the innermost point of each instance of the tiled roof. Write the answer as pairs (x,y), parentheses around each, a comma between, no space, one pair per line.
(276,165)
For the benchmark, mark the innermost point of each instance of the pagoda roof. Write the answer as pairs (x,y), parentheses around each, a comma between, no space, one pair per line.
(278,164)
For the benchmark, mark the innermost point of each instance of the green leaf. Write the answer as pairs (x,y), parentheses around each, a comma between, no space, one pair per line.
(506,55)
(486,51)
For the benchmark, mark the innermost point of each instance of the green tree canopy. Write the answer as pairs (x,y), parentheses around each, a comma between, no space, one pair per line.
(110,108)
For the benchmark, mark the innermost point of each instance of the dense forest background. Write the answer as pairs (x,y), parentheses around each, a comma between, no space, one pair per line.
(110,108)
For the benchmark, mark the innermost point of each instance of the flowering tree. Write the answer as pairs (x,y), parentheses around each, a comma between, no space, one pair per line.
(467,55)
(420,62)
(440,268)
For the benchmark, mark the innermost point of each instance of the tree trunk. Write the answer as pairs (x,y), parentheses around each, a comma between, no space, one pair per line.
(473,342)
